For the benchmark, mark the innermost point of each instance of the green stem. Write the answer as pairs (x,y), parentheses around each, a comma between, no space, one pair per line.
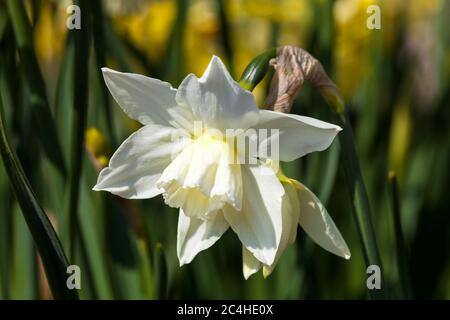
(359,198)
(252,75)
(402,259)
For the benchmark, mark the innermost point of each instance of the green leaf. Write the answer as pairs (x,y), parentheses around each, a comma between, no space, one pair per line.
(125,258)
(80,102)
(98,29)
(402,257)
(5,236)
(225,33)
(92,233)
(23,271)
(33,77)
(45,238)
(174,57)
(160,272)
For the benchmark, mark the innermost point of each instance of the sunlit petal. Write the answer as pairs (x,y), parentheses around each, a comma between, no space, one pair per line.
(218,100)
(317,223)
(258,224)
(138,163)
(290,216)
(196,235)
(297,135)
(250,265)
(147,100)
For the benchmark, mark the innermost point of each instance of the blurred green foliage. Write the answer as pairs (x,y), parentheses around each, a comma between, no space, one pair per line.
(395,82)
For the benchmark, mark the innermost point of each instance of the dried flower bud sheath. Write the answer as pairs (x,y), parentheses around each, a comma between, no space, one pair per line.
(293,66)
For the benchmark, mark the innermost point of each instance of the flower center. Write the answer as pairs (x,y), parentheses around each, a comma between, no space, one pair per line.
(203,178)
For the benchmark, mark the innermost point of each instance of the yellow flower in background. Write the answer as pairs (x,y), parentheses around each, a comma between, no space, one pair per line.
(98,146)
(352,43)
(250,22)
(252,25)
(147,24)
(202,35)
(50,31)
(354,39)
(272,10)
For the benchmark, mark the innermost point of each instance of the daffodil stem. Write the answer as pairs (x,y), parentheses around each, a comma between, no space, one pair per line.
(359,198)
(252,75)
(357,189)
(402,258)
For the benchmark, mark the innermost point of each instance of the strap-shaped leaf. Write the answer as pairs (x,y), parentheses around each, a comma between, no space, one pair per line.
(38,97)
(45,238)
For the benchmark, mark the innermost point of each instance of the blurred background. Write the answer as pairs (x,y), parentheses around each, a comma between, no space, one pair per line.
(395,82)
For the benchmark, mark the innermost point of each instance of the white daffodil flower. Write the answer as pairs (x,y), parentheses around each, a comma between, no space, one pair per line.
(198,172)
(300,206)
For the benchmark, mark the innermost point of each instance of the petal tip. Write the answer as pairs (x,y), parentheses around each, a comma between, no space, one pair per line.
(216,58)
(266,272)
(106,70)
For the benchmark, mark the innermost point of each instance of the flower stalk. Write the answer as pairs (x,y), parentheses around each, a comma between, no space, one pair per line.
(293,67)
(359,198)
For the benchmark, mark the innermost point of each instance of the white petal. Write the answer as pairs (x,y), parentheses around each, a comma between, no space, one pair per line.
(290,218)
(138,163)
(217,99)
(258,224)
(147,100)
(250,265)
(317,223)
(297,135)
(195,235)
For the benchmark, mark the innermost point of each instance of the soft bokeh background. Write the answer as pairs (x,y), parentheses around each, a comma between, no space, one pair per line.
(394,80)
